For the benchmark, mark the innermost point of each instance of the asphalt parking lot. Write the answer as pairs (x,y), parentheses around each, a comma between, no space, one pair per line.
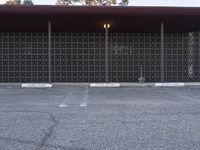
(83,118)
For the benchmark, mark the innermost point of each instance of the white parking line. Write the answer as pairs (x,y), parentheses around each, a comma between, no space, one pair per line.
(64,102)
(83,105)
(181,94)
(84,102)
(62,105)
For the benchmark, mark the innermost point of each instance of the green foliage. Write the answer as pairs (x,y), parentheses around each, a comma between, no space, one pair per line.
(13,2)
(66,2)
(27,2)
(18,2)
(93,2)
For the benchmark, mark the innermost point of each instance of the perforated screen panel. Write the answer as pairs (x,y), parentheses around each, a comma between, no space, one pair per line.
(78,57)
(132,55)
(81,57)
(23,57)
(181,57)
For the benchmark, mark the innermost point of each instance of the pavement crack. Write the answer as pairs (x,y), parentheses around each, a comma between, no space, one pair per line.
(60,147)
(49,131)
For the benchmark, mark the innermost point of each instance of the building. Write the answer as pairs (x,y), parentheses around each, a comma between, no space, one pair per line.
(69,44)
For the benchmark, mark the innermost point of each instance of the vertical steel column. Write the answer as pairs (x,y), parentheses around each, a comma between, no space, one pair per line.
(162,52)
(199,57)
(106,48)
(49,54)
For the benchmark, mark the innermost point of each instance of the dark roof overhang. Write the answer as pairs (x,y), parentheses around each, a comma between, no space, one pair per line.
(91,18)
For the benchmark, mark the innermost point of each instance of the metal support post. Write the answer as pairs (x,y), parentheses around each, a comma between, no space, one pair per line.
(106,48)
(162,52)
(199,57)
(49,48)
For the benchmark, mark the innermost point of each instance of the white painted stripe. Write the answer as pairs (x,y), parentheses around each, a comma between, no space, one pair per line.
(84,102)
(104,85)
(83,105)
(64,102)
(62,105)
(39,85)
(169,84)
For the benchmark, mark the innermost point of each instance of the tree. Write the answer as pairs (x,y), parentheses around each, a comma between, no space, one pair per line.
(18,2)
(93,2)
(124,3)
(9,2)
(27,2)
(13,2)
(67,2)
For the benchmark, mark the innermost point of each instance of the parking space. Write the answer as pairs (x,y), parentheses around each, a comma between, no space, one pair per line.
(84,118)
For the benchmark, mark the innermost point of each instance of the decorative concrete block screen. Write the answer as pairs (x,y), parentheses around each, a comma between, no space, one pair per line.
(132,55)
(81,57)
(182,57)
(23,57)
(78,57)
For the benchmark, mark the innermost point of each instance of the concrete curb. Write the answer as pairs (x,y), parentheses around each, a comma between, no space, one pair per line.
(62,85)
(175,84)
(36,85)
(105,85)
